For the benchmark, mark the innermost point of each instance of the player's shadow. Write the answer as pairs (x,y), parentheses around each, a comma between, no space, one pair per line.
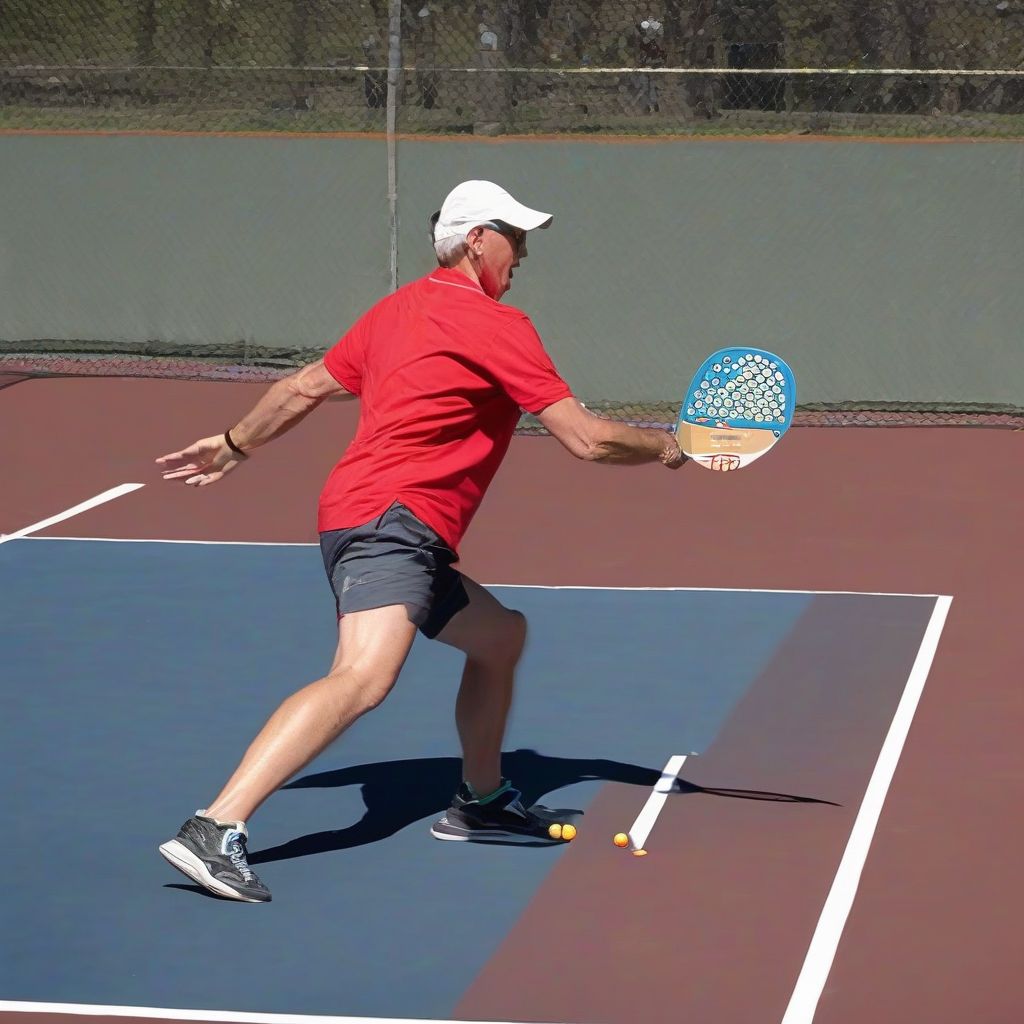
(399,793)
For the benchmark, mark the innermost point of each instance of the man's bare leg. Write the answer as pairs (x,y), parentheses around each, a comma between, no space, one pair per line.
(372,647)
(492,638)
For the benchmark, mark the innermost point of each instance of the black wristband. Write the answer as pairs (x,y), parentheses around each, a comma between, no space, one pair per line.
(231,444)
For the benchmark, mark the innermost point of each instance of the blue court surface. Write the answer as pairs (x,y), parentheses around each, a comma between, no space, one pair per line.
(135,675)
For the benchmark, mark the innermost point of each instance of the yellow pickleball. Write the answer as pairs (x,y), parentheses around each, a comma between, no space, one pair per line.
(555,831)
(568,832)
(621,840)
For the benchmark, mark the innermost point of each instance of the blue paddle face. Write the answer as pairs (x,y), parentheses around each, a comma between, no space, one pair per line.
(743,388)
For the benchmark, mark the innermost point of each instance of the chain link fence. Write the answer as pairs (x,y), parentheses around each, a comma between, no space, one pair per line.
(870,67)
(421,68)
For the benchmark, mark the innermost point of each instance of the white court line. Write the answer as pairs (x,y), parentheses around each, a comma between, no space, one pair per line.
(721,590)
(506,586)
(838,904)
(214,543)
(822,951)
(163,1013)
(645,820)
(114,492)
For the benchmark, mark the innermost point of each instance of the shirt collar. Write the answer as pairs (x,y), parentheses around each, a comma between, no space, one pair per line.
(445,275)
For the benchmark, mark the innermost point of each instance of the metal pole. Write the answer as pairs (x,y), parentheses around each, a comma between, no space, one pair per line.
(394,84)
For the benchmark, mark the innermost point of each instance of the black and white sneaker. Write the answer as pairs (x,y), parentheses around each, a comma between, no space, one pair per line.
(502,819)
(213,854)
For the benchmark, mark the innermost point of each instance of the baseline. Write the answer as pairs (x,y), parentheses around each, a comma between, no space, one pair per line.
(218,1016)
(506,586)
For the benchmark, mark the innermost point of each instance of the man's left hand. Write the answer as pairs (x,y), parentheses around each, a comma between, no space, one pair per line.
(204,462)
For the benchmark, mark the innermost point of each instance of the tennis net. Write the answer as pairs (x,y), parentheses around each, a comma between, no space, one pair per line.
(264,366)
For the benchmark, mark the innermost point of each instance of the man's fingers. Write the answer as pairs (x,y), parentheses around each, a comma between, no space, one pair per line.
(671,456)
(204,479)
(200,464)
(198,450)
(185,453)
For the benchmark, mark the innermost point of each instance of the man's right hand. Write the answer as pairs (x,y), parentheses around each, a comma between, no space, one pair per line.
(671,456)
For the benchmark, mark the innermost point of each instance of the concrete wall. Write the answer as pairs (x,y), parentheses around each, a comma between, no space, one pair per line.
(189,240)
(881,271)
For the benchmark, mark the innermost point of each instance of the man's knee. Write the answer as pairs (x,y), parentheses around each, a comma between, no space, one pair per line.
(368,689)
(512,640)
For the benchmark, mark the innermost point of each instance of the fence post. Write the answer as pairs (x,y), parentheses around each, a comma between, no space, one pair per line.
(490,93)
(394,90)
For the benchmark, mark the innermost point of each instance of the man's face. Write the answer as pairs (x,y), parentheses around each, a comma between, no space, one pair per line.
(501,251)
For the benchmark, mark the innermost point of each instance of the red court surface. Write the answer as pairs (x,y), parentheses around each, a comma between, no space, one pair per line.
(933,934)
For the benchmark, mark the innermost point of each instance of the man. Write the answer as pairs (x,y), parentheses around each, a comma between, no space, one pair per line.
(442,370)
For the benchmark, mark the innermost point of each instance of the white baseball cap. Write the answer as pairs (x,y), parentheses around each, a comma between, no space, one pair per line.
(473,203)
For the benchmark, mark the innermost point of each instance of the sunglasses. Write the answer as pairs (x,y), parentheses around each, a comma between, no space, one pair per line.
(516,235)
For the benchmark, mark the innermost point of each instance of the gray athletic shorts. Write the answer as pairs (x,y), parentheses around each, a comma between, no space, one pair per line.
(394,559)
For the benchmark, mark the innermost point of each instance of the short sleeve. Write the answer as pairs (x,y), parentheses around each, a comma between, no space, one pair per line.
(524,369)
(344,360)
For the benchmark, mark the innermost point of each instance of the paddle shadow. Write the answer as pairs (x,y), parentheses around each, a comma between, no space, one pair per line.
(682,786)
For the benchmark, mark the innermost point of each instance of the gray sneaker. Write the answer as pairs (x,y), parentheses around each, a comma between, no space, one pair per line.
(502,819)
(213,854)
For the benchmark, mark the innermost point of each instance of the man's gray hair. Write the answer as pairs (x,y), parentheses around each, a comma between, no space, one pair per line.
(450,250)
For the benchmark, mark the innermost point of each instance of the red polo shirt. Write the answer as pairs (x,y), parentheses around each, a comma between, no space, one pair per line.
(442,372)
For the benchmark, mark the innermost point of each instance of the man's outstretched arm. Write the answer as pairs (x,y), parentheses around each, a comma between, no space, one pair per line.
(282,405)
(595,439)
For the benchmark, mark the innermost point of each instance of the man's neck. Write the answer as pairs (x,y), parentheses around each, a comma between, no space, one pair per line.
(466,268)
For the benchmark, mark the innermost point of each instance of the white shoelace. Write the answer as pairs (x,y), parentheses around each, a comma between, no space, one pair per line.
(233,844)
